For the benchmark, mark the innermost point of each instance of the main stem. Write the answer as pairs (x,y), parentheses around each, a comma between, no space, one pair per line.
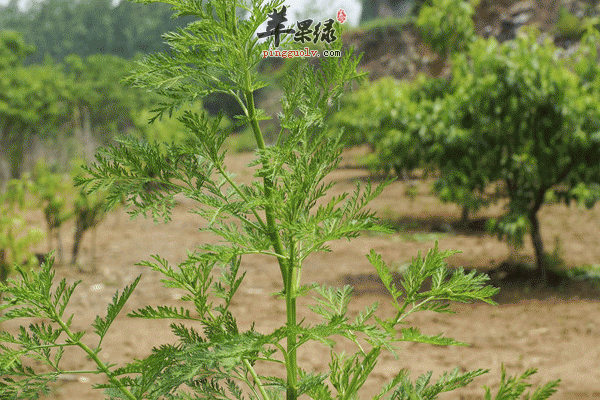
(288,271)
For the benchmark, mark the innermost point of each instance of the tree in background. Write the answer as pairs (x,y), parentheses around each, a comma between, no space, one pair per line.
(391,117)
(372,9)
(32,100)
(512,121)
(62,27)
(521,118)
(89,210)
(100,105)
(13,50)
(447,27)
(72,106)
(11,15)
(52,191)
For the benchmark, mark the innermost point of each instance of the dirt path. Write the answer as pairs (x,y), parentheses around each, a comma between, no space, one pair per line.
(557,331)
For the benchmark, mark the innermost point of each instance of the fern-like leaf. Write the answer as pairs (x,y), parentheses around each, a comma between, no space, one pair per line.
(101,325)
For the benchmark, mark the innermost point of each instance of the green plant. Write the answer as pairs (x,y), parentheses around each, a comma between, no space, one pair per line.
(447,25)
(521,120)
(16,236)
(391,117)
(277,215)
(52,191)
(89,210)
(568,25)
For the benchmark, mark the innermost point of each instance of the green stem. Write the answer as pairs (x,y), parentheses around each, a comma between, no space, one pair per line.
(288,272)
(399,317)
(83,371)
(290,300)
(268,185)
(50,346)
(101,366)
(256,380)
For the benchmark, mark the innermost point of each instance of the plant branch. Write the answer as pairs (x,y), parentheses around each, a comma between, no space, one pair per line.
(242,195)
(399,317)
(92,354)
(256,380)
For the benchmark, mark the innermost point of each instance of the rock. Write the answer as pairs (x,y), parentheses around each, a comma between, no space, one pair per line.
(68,378)
(521,8)
(518,15)
(487,32)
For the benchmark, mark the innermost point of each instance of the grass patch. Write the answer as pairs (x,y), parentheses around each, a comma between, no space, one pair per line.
(584,272)
(381,24)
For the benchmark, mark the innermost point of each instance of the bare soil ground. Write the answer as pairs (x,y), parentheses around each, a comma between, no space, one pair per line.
(556,330)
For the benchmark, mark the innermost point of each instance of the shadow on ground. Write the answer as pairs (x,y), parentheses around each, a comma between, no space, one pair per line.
(473,227)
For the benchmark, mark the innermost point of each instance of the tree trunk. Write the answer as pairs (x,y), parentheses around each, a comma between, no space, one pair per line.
(16,157)
(86,135)
(464,216)
(4,155)
(59,248)
(94,236)
(4,266)
(4,173)
(369,10)
(538,246)
(76,243)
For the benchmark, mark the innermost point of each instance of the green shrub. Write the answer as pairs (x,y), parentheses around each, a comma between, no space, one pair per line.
(17,237)
(447,25)
(393,118)
(522,120)
(52,191)
(568,25)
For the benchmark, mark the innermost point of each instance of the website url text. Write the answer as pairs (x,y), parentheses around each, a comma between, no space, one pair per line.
(306,52)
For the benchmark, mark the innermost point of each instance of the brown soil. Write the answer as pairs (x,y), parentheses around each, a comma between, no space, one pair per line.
(555,329)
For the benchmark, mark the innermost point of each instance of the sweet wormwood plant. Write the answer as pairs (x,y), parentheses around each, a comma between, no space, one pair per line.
(277,215)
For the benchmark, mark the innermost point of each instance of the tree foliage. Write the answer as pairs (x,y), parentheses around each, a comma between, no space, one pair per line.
(79,99)
(59,28)
(512,121)
(392,117)
(17,237)
(31,99)
(447,25)
(96,89)
(524,120)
